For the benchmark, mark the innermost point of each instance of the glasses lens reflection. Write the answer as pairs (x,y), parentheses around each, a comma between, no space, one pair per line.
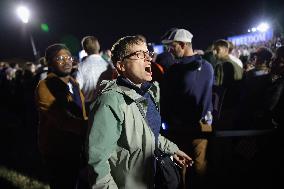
(140,55)
(64,58)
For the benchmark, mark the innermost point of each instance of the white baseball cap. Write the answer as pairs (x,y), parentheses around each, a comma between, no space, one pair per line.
(179,35)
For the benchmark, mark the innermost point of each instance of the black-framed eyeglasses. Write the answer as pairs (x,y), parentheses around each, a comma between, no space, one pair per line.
(61,59)
(140,55)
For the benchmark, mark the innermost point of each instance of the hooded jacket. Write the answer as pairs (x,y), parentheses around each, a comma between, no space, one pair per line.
(186,92)
(62,122)
(121,144)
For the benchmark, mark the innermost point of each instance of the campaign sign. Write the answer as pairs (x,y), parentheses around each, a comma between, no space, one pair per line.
(251,38)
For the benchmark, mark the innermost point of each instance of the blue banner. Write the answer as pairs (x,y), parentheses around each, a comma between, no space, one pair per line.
(250,38)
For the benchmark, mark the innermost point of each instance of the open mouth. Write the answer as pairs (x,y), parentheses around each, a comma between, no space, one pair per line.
(148,69)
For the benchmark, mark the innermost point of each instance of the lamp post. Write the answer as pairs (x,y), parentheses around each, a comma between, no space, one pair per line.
(24,15)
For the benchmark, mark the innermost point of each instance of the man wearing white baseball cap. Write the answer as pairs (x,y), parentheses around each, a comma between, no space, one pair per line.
(166,59)
(179,35)
(186,99)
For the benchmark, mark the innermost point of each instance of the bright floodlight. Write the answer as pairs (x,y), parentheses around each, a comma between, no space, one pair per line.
(253,29)
(23,13)
(263,27)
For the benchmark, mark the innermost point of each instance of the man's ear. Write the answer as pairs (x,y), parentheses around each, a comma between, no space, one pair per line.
(120,66)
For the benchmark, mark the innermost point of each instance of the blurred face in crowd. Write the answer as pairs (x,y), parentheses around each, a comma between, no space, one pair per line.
(136,65)
(31,67)
(62,63)
(220,52)
(177,48)
(258,61)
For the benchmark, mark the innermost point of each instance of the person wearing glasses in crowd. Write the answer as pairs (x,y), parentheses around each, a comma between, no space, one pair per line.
(124,123)
(62,119)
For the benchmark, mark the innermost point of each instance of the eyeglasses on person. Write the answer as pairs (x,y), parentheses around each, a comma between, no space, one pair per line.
(140,55)
(61,59)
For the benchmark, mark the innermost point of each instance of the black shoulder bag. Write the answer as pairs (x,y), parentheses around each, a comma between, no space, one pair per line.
(168,173)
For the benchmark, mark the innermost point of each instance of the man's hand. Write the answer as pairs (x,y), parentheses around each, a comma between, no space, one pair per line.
(183,159)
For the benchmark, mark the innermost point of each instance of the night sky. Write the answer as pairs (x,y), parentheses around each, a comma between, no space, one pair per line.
(70,20)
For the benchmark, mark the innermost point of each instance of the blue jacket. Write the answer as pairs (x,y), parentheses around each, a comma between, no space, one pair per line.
(186,92)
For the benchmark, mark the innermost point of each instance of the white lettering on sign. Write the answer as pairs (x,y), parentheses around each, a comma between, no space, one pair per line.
(250,38)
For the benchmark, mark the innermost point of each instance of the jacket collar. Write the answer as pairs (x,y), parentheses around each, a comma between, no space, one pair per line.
(53,75)
(122,81)
(126,90)
(189,59)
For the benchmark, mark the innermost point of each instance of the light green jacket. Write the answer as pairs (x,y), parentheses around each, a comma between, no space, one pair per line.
(121,144)
(227,72)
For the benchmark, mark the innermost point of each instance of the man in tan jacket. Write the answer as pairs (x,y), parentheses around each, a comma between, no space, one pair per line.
(62,119)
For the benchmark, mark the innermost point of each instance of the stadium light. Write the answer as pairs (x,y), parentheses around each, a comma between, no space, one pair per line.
(263,27)
(253,29)
(24,15)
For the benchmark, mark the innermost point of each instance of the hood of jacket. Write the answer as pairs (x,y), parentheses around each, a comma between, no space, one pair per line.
(107,85)
(194,61)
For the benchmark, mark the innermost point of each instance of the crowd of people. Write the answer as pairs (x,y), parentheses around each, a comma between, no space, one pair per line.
(100,120)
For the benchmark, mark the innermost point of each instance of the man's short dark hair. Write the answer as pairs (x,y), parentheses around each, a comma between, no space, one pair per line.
(264,54)
(91,45)
(52,50)
(121,47)
(221,43)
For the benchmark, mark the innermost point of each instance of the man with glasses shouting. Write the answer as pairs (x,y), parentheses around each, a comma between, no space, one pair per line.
(62,119)
(125,122)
